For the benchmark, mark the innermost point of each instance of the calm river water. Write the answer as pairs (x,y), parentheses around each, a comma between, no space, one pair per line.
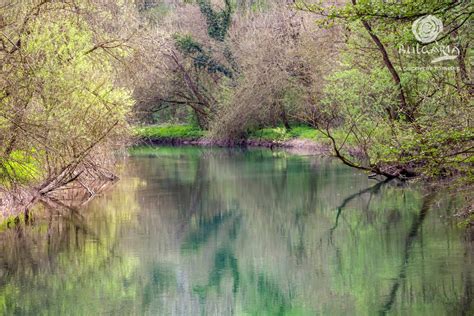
(200,231)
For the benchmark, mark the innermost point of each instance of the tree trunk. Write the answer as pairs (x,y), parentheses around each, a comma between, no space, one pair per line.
(284,118)
(405,109)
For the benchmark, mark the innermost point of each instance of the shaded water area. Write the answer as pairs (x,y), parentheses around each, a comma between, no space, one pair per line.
(200,231)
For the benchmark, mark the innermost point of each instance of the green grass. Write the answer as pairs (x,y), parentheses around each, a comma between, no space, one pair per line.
(168,131)
(282,134)
(270,134)
(306,132)
(301,132)
(190,132)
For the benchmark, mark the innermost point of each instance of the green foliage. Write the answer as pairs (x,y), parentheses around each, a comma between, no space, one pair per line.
(187,45)
(217,22)
(437,142)
(201,59)
(21,166)
(269,133)
(302,132)
(64,102)
(437,152)
(409,10)
(184,132)
(430,132)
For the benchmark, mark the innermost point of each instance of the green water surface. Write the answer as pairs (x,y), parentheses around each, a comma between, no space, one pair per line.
(201,231)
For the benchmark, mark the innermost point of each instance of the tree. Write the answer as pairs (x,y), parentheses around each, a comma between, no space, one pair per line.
(60,107)
(406,117)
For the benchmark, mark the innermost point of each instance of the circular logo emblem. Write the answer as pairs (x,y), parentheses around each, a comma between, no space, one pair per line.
(427,28)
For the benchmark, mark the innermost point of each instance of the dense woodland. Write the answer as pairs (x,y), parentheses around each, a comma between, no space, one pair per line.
(78,76)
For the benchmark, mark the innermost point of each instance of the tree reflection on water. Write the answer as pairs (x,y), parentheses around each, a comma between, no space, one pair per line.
(214,231)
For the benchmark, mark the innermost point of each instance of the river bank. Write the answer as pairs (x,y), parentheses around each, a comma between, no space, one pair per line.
(299,139)
(294,145)
(15,206)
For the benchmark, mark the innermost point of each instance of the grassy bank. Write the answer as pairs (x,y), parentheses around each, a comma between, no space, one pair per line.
(169,132)
(298,132)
